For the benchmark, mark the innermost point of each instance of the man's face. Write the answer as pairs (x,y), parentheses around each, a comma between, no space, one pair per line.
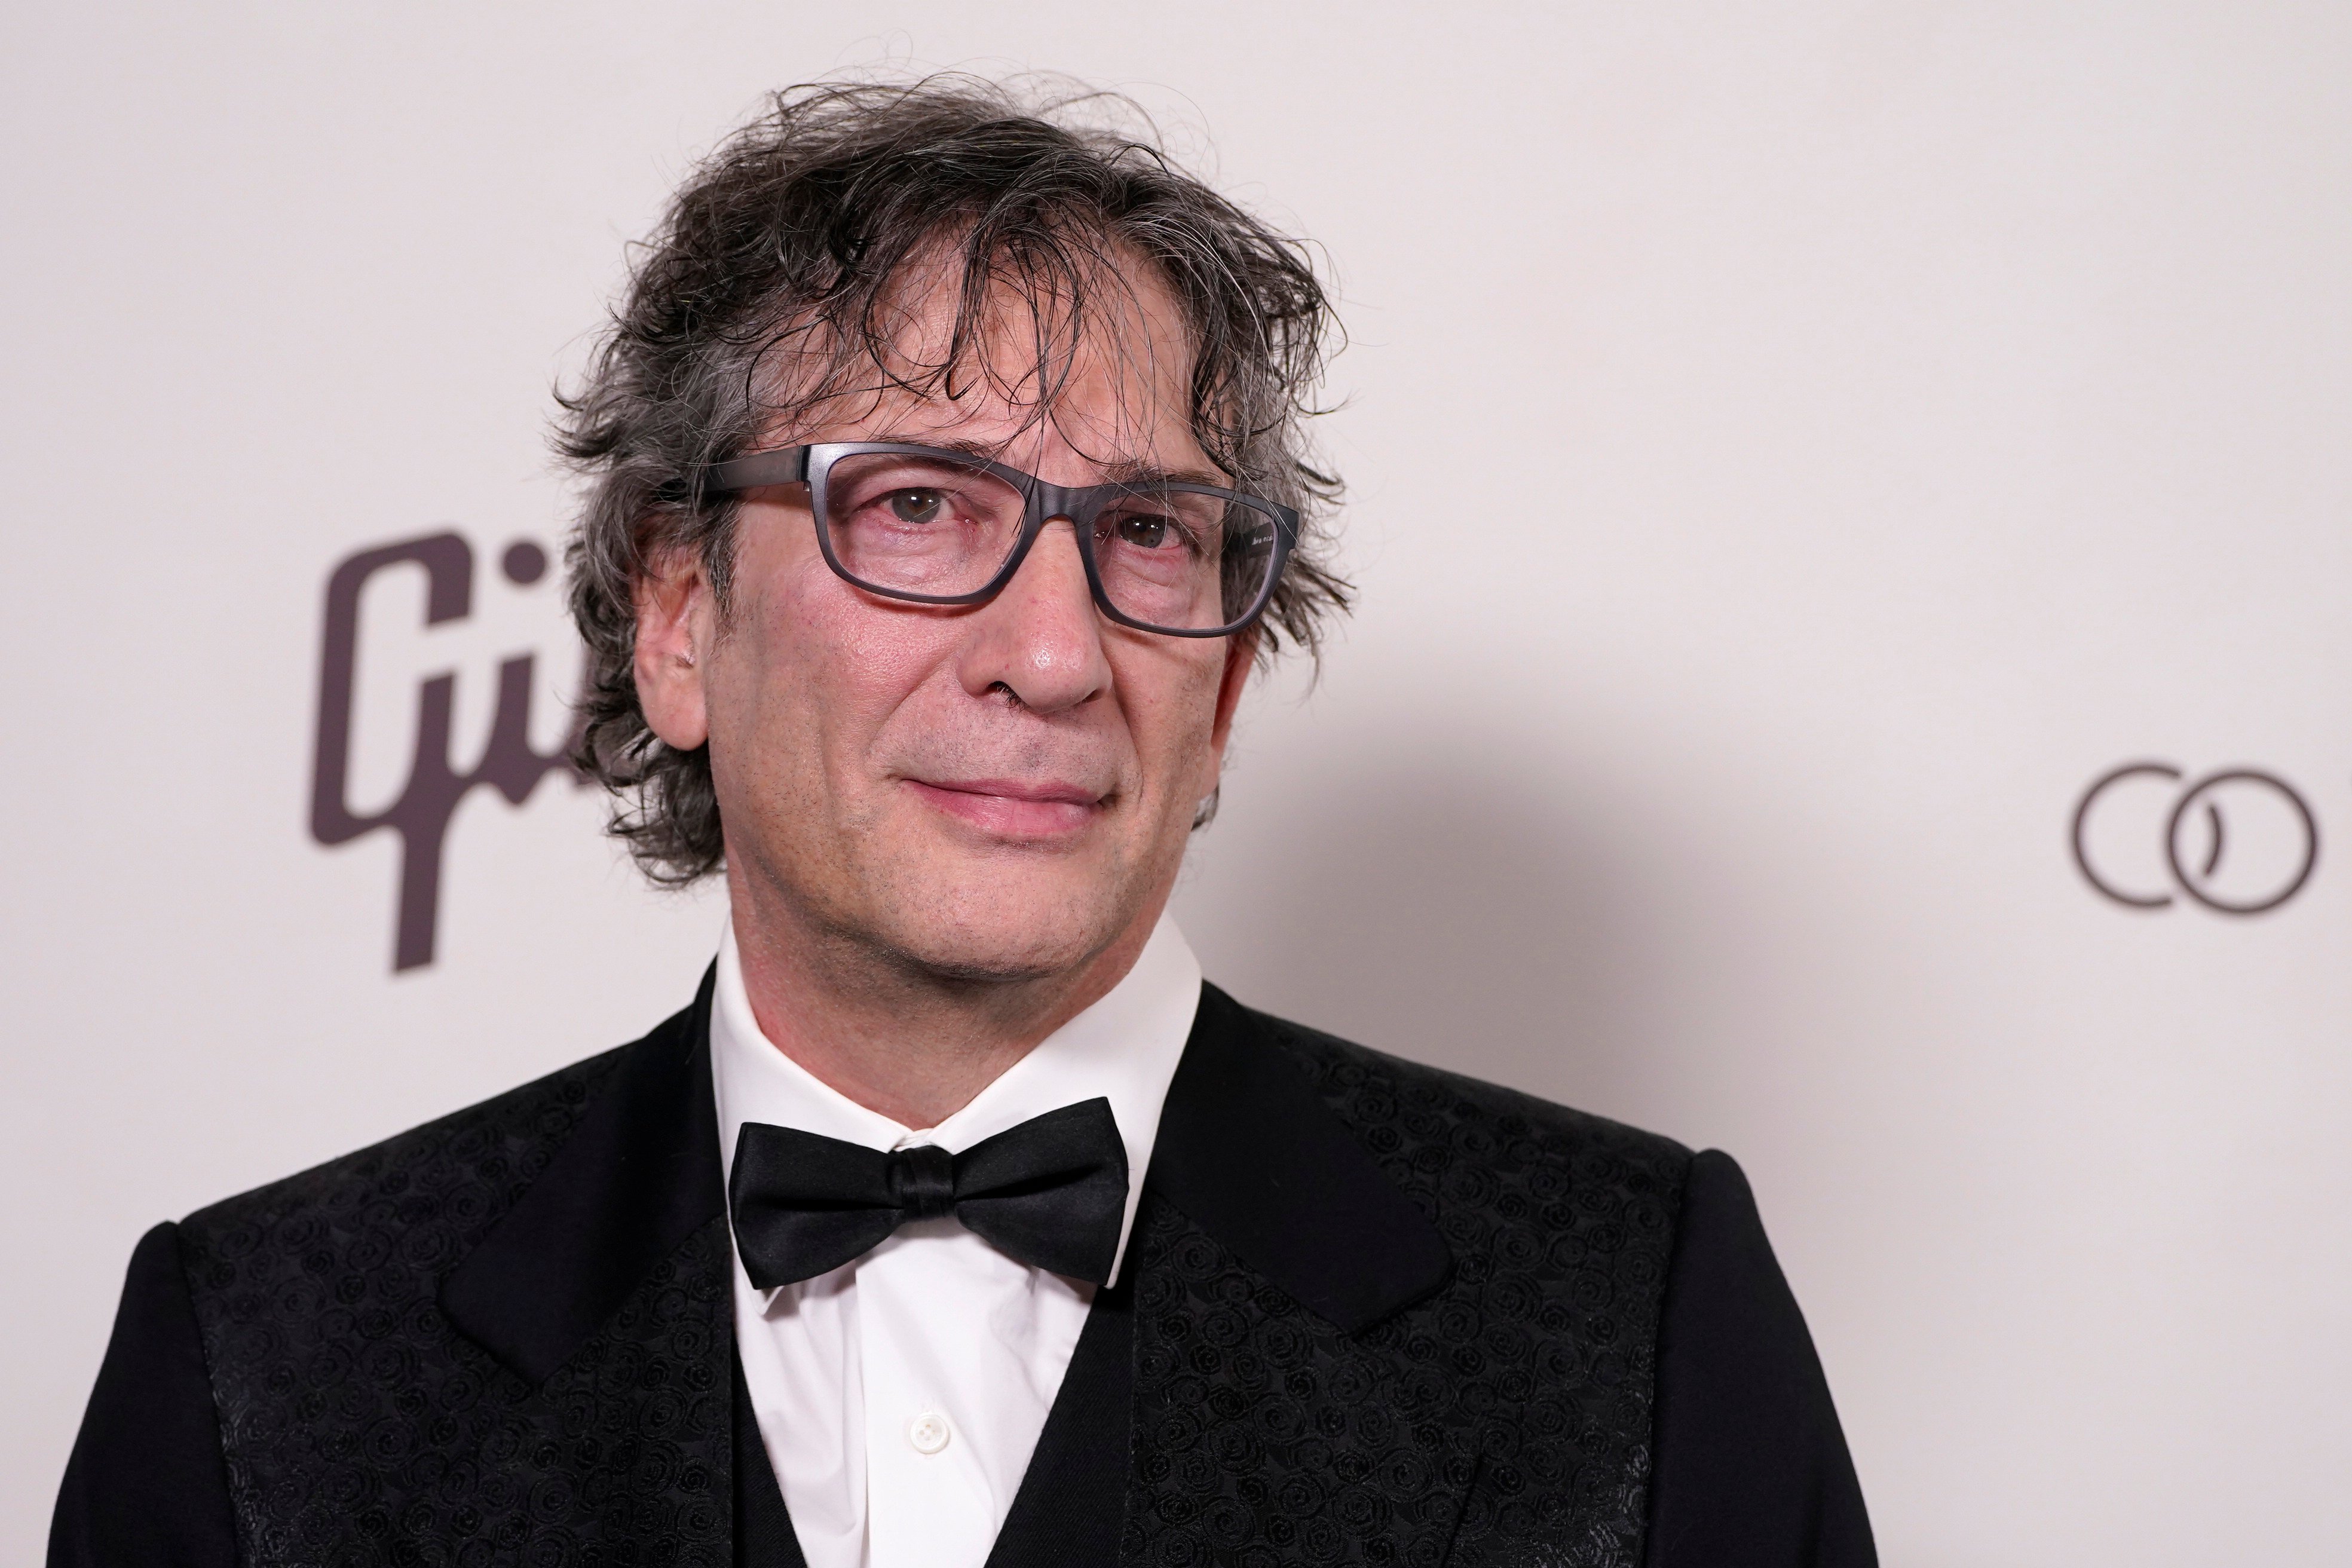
(1001,791)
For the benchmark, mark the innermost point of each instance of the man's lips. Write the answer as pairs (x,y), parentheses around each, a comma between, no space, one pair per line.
(1016,808)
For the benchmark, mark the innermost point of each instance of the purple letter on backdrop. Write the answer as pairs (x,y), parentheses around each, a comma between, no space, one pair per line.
(421,815)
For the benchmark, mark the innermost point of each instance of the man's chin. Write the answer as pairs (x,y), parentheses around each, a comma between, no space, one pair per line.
(993,922)
(994,957)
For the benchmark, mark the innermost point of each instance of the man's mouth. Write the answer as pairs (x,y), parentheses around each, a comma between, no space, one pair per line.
(1014,809)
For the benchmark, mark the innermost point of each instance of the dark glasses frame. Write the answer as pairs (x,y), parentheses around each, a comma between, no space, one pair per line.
(811,465)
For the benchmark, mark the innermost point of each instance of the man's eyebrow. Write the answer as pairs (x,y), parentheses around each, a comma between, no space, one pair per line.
(1136,473)
(1129,471)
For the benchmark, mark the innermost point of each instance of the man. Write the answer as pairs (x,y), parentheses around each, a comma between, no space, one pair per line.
(947,483)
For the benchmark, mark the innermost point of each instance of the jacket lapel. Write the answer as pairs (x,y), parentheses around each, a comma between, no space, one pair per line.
(605,1291)
(1249,1152)
(1271,1260)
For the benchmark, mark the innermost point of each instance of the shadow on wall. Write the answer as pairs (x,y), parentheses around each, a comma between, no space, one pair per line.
(1419,908)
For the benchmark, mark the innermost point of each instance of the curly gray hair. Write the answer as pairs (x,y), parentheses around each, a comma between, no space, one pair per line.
(767,290)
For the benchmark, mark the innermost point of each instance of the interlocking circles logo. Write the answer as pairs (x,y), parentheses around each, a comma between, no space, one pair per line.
(2240,841)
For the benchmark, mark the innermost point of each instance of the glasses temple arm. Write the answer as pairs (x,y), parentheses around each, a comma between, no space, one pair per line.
(785,466)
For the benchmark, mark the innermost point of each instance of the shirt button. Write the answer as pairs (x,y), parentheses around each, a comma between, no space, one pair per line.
(928,1432)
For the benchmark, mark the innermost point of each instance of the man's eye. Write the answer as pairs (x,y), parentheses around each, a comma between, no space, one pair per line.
(1145,531)
(918,506)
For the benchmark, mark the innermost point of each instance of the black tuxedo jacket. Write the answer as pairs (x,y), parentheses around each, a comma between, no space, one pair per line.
(1371,1313)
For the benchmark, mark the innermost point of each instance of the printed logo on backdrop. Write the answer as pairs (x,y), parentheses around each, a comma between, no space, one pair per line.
(2238,840)
(432,782)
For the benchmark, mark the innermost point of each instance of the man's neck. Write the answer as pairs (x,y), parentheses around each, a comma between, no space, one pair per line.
(900,1039)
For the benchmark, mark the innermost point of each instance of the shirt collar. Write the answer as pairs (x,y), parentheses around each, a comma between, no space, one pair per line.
(1124,1049)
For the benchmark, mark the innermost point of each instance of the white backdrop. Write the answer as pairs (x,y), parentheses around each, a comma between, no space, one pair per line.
(1792,457)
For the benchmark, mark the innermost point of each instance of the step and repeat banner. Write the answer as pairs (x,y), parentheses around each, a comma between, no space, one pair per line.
(1851,512)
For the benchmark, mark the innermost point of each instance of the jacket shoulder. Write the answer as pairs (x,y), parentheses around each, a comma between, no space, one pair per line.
(453,1175)
(1392,1101)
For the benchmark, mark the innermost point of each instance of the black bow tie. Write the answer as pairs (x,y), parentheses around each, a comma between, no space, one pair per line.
(1050,1193)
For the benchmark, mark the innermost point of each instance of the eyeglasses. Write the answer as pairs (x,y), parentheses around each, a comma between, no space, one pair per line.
(939,527)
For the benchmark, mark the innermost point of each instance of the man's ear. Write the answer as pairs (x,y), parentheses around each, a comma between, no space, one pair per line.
(674,621)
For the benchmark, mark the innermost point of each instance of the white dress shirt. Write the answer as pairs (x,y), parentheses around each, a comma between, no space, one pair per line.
(900,1395)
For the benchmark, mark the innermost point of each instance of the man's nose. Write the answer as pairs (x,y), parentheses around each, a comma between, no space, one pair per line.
(1040,638)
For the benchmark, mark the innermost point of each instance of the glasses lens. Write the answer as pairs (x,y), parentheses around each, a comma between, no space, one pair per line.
(1183,560)
(919,525)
